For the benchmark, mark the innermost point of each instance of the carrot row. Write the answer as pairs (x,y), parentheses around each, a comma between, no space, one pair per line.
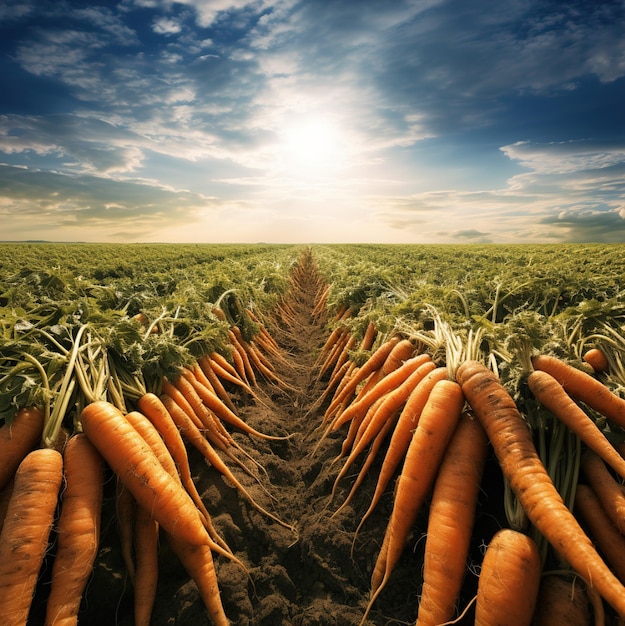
(580,538)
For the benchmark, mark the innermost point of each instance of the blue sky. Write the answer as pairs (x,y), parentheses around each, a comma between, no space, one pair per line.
(391,121)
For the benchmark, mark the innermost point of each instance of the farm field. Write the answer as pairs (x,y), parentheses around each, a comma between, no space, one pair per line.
(85,322)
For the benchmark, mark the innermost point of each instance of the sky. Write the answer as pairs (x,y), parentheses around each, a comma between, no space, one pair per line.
(315,121)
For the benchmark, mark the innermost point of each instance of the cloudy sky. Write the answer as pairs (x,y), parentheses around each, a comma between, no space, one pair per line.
(392,121)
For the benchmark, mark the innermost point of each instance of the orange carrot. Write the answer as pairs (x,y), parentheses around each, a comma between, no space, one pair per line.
(198,561)
(371,456)
(608,490)
(597,359)
(248,370)
(402,435)
(190,432)
(551,394)
(450,521)
(604,534)
(583,387)
(222,411)
(216,383)
(146,577)
(509,580)
(388,408)
(512,443)
(5,496)
(427,447)
(25,534)
(132,459)
(401,352)
(154,409)
(561,601)
(78,530)
(373,363)
(125,510)
(382,387)
(17,439)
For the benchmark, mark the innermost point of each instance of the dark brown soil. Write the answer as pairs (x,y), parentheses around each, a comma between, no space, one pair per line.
(303,578)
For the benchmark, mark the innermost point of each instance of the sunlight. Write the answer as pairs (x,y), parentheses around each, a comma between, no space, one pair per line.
(313,146)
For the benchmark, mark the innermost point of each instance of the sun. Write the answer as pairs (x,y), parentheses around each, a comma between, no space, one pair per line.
(313,144)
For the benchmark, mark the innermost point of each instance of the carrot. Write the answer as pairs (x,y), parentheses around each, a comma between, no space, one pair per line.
(514,448)
(154,409)
(393,381)
(561,602)
(551,394)
(583,387)
(146,577)
(427,447)
(386,411)
(371,456)
(248,370)
(507,588)
(402,351)
(190,432)
(608,490)
(125,510)
(78,530)
(179,398)
(215,381)
(132,459)
(5,496)
(604,534)
(198,561)
(17,439)
(402,435)
(597,359)
(222,411)
(373,363)
(26,531)
(450,521)
(152,437)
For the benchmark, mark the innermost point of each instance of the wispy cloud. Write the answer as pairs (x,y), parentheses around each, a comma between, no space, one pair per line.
(145,94)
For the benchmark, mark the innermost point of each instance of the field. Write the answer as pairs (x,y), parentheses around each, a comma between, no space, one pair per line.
(83,323)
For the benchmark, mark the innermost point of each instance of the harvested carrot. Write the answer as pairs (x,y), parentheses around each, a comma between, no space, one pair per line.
(402,435)
(605,535)
(387,384)
(551,394)
(191,433)
(450,521)
(26,531)
(222,411)
(509,580)
(583,387)
(17,439)
(427,447)
(132,459)
(608,490)
(78,530)
(512,443)
(198,561)
(402,351)
(146,564)
(561,601)
(125,512)
(597,359)
(373,363)
(387,410)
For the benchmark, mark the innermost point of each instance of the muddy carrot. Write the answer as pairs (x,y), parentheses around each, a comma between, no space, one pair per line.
(26,531)
(512,443)
(78,530)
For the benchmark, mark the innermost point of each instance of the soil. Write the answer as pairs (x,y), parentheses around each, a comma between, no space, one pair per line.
(317,573)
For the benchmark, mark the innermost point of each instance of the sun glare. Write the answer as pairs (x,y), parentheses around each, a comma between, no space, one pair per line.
(313,145)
